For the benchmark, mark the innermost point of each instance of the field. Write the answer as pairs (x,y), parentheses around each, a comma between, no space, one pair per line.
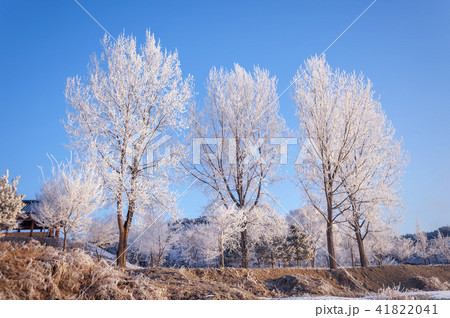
(34,271)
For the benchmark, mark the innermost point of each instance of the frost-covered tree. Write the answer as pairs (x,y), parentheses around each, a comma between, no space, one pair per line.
(232,136)
(210,248)
(118,118)
(442,246)
(190,242)
(381,247)
(225,224)
(68,199)
(370,179)
(11,203)
(421,246)
(379,220)
(313,225)
(273,251)
(346,247)
(341,126)
(433,250)
(267,231)
(298,244)
(403,248)
(327,111)
(263,223)
(152,237)
(101,232)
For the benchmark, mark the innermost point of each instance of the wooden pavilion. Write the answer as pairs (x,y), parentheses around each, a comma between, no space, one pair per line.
(28,227)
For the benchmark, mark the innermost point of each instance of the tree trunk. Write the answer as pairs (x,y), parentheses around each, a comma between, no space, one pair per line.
(362,251)
(313,262)
(330,242)
(65,241)
(222,254)
(122,249)
(244,249)
(330,239)
(353,257)
(121,254)
(124,228)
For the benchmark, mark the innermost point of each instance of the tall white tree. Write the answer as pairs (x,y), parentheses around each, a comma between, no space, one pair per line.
(11,203)
(118,119)
(348,146)
(68,199)
(370,179)
(234,154)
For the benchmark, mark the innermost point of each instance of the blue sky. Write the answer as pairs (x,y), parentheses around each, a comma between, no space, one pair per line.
(402,46)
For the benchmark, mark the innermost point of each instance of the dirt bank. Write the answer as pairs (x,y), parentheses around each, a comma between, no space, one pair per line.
(284,282)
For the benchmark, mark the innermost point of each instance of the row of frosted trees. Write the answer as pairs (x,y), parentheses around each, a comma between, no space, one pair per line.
(231,146)
(194,243)
(212,240)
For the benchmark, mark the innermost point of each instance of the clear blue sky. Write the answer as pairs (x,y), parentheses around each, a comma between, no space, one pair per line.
(402,46)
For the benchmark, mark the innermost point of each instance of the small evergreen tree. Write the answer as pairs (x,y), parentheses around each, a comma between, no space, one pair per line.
(271,252)
(297,243)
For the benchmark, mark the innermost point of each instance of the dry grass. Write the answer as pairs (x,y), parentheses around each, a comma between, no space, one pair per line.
(389,293)
(32,271)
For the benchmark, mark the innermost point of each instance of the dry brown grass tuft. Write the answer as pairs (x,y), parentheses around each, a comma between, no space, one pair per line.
(394,292)
(33,271)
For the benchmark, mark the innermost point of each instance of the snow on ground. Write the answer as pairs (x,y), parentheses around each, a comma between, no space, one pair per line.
(432,295)
(110,258)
